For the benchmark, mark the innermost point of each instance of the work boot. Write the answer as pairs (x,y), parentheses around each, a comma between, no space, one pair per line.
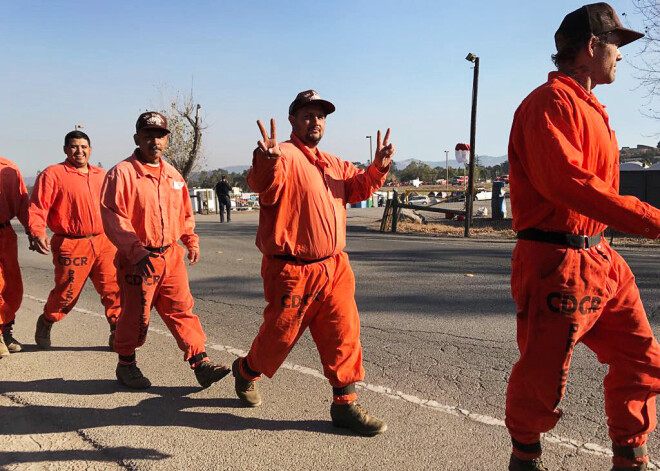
(42,334)
(632,455)
(4,351)
(353,416)
(111,339)
(13,345)
(131,376)
(516,464)
(246,390)
(208,373)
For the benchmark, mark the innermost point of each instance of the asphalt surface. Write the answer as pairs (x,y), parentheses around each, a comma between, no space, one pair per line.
(438,333)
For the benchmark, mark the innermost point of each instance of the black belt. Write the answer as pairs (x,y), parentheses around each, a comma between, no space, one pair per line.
(69,236)
(291,258)
(5,224)
(574,241)
(158,249)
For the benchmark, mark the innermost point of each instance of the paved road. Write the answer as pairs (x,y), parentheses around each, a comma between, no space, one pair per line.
(439,340)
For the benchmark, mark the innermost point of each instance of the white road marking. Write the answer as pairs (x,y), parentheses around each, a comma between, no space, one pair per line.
(591,448)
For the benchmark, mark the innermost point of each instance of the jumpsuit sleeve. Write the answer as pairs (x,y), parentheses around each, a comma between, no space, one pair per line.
(361,184)
(188,236)
(554,166)
(41,200)
(267,177)
(115,214)
(23,202)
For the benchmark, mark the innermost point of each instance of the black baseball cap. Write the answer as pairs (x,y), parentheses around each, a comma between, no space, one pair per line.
(307,97)
(151,120)
(593,19)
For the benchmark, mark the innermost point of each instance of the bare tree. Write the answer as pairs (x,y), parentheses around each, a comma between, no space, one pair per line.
(185,123)
(647,64)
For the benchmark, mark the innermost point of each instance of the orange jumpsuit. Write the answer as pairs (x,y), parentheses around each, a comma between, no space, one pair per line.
(68,202)
(13,203)
(303,196)
(144,212)
(564,174)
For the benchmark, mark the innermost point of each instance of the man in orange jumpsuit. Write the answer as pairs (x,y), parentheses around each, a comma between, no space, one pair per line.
(13,203)
(66,198)
(146,210)
(568,283)
(308,281)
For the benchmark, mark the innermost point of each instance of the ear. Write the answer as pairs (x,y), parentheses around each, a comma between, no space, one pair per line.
(291,119)
(135,139)
(591,46)
(64,148)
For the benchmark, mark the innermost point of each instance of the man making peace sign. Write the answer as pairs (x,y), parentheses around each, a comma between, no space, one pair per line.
(308,281)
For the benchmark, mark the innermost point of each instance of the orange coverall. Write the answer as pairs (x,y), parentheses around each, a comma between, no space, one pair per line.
(13,203)
(302,197)
(147,214)
(68,202)
(564,174)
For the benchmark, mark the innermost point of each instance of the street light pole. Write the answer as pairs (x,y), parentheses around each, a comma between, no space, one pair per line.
(371,154)
(473,134)
(447,169)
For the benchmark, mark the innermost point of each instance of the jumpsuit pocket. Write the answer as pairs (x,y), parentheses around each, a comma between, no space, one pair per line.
(554,262)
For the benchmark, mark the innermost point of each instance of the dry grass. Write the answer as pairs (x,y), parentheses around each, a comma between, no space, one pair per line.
(501,229)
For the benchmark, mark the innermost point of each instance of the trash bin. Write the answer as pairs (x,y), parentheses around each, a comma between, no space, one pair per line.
(497,204)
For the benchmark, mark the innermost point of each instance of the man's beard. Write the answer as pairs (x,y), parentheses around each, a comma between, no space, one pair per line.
(312,141)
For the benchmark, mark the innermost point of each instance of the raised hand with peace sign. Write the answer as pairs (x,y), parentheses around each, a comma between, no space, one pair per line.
(384,151)
(268,148)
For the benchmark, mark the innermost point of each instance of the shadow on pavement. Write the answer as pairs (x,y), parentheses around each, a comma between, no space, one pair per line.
(170,407)
(118,454)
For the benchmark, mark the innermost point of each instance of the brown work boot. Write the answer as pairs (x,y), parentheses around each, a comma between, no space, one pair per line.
(516,464)
(246,390)
(4,351)
(208,373)
(353,416)
(131,376)
(42,334)
(13,345)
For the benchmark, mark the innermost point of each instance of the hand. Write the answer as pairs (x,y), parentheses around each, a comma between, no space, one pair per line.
(40,243)
(384,151)
(268,148)
(144,267)
(193,256)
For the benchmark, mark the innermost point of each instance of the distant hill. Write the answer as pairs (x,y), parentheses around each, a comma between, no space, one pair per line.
(237,168)
(484,160)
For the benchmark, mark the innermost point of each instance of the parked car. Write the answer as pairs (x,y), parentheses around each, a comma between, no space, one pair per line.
(418,200)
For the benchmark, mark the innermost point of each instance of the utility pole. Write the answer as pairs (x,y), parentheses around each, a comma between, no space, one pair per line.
(473,135)
(371,154)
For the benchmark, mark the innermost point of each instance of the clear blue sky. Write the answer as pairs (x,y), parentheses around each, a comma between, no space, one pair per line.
(386,63)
